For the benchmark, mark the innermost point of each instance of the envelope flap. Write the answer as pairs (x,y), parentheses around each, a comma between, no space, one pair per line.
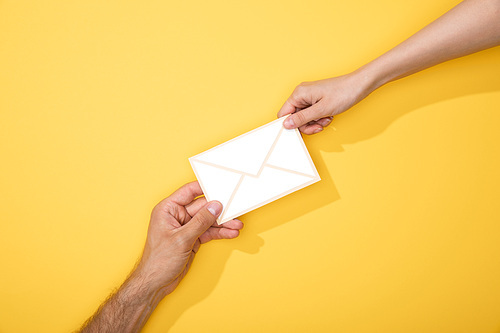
(245,153)
(291,153)
(217,184)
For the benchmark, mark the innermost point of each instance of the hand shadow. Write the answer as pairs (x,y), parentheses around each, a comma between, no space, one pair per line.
(461,77)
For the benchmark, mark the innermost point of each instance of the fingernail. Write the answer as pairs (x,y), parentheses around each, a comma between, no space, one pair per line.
(289,122)
(318,130)
(329,120)
(214,208)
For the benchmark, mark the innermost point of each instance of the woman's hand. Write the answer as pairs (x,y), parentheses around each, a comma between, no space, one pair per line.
(312,105)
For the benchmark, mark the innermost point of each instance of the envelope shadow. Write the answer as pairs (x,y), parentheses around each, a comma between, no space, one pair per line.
(467,76)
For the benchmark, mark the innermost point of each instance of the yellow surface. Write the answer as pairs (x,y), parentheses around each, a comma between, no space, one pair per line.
(102,103)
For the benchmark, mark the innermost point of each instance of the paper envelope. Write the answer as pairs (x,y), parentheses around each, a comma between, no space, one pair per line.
(254,169)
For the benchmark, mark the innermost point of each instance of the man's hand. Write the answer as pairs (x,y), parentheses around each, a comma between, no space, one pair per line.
(313,104)
(179,225)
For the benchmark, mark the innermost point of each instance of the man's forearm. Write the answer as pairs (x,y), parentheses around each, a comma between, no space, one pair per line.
(179,225)
(128,309)
(471,26)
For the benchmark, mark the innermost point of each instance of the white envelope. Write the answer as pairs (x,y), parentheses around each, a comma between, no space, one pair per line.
(254,169)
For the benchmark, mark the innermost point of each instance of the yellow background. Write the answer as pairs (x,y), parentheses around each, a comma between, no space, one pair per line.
(102,103)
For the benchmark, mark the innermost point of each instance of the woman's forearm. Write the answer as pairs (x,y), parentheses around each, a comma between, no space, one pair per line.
(471,26)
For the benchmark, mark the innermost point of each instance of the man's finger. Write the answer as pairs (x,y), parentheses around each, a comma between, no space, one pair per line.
(193,207)
(185,194)
(231,224)
(304,116)
(218,233)
(202,220)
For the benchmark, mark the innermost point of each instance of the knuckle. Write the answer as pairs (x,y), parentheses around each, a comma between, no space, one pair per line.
(162,207)
(299,89)
(156,210)
(302,89)
(292,100)
(303,86)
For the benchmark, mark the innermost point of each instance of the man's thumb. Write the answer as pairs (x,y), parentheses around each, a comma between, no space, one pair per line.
(203,219)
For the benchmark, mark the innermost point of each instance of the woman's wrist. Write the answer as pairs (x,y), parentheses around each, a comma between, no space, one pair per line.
(371,77)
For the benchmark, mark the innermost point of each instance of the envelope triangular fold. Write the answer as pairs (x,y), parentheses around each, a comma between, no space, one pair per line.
(245,153)
(290,153)
(218,184)
(271,184)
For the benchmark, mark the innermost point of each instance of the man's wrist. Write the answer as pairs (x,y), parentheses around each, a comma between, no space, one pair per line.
(138,287)
(128,309)
(143,285)
(140,296)
(152,282)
